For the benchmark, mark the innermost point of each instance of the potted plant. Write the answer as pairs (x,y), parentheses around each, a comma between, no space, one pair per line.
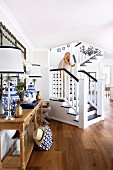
(20,89)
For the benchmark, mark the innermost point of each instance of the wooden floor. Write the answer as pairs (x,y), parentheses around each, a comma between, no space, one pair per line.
(78,149)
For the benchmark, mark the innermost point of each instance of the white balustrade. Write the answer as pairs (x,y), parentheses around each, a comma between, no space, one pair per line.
(78,94)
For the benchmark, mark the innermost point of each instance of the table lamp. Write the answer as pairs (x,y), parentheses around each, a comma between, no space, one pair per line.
(35,72)
(11,63)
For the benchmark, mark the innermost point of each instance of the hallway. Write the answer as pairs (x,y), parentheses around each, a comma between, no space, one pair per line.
(78,149)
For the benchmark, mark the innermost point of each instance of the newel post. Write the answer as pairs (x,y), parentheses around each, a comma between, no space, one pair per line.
(100,98)
(83,99)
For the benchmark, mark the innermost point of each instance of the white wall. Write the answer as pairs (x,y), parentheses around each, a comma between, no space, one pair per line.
(42,84)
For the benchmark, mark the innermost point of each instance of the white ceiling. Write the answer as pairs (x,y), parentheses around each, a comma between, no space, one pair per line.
(51,23)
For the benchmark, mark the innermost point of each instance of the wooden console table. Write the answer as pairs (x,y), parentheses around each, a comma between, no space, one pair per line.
(20,162)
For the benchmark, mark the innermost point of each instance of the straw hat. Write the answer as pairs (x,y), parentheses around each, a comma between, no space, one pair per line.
(39,134)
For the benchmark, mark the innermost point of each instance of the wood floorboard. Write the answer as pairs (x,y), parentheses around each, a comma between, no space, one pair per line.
(78,149)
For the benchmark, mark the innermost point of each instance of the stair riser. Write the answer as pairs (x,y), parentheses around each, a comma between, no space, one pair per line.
(91,112)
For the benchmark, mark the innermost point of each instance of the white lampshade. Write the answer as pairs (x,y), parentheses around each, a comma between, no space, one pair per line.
(11,61)
(35,71)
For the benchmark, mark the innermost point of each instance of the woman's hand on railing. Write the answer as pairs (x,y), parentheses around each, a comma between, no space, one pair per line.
(72,65)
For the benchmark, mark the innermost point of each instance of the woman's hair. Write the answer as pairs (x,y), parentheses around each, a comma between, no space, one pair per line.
(65,57)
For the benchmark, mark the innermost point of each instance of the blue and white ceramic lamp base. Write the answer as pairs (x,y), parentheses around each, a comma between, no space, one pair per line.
(13,102)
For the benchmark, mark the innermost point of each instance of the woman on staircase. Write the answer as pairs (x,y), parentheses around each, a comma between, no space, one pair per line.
(65,63)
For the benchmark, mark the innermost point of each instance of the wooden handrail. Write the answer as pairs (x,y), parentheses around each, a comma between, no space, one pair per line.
(59,69)
(83,71)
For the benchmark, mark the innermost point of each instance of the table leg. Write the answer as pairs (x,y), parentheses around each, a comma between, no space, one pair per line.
(35,120)
(41,114)
(22,156)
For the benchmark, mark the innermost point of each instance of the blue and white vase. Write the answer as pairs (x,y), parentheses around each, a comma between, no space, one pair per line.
(13,100)
(31,89)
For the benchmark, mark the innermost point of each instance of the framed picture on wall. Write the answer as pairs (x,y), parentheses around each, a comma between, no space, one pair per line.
(68,45)
(58,49)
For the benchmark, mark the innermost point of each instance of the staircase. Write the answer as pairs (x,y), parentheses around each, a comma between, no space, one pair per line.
(63,112)
(82,106)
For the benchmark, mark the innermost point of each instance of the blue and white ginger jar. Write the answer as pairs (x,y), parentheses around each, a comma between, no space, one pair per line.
(13,100)
(31,89)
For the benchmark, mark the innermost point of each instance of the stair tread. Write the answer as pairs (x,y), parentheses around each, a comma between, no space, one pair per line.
(88,62)
(76,120)
(93,58)
(94,116)
(73,113)
(66,106)
(54,99)
(83,65)
(91,108)
(61,100)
